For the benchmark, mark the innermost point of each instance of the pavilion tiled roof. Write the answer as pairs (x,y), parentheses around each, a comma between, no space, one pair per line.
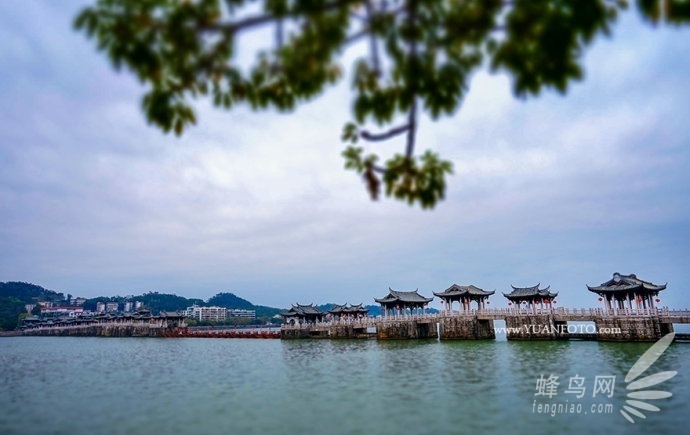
(626,283)
(345,309)
(412,297)
(304,310)
(533,292)
(463,290)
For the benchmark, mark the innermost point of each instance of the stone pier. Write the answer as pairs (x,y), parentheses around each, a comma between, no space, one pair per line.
(405,329)
(294,333)
(466,328)
(535,327)
(348,331)
(326,330)
(628,328)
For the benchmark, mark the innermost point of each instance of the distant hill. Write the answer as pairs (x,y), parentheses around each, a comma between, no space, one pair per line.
(154,301)
(15,295)
(157,302)
(229,300)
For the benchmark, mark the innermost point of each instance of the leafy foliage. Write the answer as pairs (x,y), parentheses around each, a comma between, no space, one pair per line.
(412,179)
(422,54)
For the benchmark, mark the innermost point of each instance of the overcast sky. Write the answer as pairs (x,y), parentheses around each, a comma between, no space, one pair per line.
(558,190)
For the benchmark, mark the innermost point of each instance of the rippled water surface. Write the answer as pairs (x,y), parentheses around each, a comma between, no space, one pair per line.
(66,385)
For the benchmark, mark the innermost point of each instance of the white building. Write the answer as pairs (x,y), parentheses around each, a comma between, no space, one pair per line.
(247,314)
(78,301)
(207,313)
(70,311)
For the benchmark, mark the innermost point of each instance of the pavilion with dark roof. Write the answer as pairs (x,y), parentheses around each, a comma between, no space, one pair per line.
(346,310)
(403,301)
(464,295)
(303,314)
(621,288)
(531,296)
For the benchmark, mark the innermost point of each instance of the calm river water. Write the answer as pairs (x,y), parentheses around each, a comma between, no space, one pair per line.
(56,385)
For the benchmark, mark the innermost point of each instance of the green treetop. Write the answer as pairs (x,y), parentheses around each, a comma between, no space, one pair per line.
(421,54)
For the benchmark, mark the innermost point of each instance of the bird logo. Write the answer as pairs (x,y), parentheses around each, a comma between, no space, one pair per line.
(638,394)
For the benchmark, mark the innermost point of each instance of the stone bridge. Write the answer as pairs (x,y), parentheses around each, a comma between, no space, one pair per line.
(521,324)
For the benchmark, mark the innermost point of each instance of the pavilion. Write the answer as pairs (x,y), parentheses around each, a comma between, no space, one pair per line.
(303,314)
(403,301)
(464,295)
(531,296)
(346,310)
(627,288)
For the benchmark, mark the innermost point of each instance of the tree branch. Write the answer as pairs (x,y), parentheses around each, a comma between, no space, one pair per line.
(412,132)
(412,116)
(379,169)
(237,26)
(234,27)
(383,136)
(367,31)
(355,37)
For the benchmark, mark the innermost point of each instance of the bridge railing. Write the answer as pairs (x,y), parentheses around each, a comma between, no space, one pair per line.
(495,312)
(88,324)
(666,312)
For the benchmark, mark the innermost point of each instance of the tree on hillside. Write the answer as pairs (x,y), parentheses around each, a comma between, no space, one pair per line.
(28,293)
(10,309)
(421,54)
(158,302)
(14,296)
(229,300)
